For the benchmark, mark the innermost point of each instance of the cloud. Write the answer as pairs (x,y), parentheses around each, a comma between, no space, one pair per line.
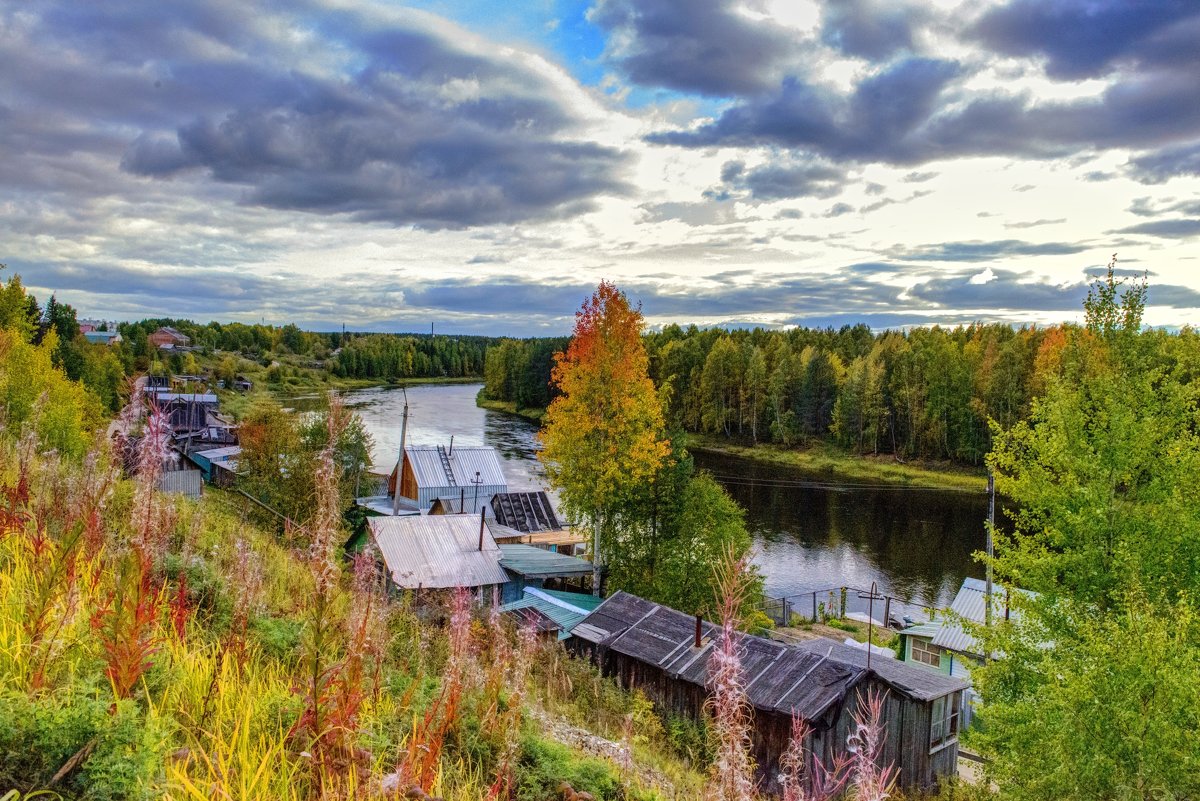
(1088,38)
(786,177)
(977,251)
(1035,223)
(1167,229)
(876,121)
(395,118)
(871,30)
(1018,291)
(1159,166)
(707,47)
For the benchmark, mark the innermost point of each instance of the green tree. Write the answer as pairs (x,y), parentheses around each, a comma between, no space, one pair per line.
(603,435)
(1095,694)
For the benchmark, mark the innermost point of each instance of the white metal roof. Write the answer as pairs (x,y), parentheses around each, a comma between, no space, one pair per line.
(970,604)
(433,551)
(439,466)
(219,454)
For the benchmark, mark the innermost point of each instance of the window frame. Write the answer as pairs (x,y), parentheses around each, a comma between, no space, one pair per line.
(926,650)
(944,719)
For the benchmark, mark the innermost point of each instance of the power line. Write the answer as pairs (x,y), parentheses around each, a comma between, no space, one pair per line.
(783,483)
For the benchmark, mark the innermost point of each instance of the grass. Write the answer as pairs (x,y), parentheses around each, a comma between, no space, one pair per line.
(510,407)
(828,461)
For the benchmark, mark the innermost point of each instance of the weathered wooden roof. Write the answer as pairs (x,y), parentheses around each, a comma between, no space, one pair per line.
(778,678)
(438,466)
(806,679)
(525,511)
(423,551)
(912,680)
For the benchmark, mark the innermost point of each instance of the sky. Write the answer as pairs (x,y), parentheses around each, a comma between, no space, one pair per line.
(481,166)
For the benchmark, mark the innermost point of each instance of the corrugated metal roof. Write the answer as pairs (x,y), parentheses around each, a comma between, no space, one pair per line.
(194,397)
(923,629)
(565,609)
(530,561)
(219,454)
(423,551)
(184,482)
(437,466)
(970,604)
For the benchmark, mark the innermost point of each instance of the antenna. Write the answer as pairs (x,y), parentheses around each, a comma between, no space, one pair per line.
(477,481)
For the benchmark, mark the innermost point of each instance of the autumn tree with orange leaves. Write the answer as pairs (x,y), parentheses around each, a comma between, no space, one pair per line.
(603,435)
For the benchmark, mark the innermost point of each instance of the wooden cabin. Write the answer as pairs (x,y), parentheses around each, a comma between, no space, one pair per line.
(429,472)
(665,653)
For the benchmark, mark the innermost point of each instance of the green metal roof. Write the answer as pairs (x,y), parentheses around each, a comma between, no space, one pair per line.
(533,562)
(566,609)
(923,630)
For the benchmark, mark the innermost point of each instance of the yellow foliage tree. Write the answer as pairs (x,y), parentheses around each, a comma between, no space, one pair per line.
(603,434)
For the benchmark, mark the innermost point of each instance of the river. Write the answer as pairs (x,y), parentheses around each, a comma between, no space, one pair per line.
(809,534)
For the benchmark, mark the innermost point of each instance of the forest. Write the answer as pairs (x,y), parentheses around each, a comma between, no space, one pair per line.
(926,393)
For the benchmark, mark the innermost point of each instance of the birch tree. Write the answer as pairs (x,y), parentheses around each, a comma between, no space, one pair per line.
(603,434)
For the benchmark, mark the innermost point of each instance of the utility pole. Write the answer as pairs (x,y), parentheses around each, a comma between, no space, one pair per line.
(400,460)
(871,598)
(987,605)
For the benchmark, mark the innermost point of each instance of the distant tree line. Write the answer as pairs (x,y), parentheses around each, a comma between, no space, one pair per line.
(391,356)
(925,393)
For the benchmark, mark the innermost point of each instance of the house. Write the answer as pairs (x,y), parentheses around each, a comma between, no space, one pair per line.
(102,337)
(167,337)
(665,653)
(439,551)
(219,465)
(430,472)
(552,611)
(945,645)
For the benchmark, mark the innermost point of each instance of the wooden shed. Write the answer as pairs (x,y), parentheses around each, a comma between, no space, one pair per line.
(654,648)
(430,472)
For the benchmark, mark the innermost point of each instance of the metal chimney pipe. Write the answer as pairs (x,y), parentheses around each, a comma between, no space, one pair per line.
(481,525)
(451,446)
(697,631)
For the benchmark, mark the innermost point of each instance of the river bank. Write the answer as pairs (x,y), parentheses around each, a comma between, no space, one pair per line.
(508,407)
(823,459)
(829,461)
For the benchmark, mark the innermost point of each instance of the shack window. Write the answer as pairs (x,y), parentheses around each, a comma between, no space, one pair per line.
(944,727)
(924,652)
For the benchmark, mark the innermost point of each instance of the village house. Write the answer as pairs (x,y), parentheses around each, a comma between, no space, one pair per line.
(429,472)
(422,552)
(945,645)
(551,612)
(665,653)
(167,338)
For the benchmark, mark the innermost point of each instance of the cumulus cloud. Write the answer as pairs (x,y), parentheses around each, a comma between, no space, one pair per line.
(867,29)
(708,47)
(391,118)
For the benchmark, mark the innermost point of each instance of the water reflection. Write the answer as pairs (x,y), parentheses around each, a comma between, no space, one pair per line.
(917,544)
